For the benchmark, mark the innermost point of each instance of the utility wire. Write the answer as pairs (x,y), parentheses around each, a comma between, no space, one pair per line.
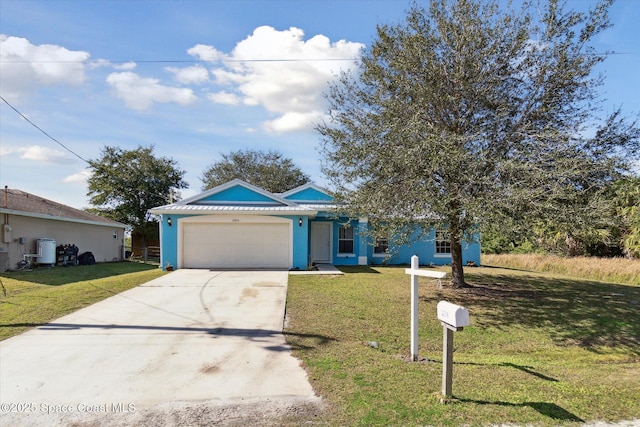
(237,60)
(148,61)
(41,130)
(61,144)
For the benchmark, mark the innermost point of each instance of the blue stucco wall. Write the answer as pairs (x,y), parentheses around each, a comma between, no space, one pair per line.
(300,242)
(360,245)
(425,248)
(310,194)
(237,194)
(169,241)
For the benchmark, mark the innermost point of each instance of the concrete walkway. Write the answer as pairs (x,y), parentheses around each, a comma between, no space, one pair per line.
(189,336)
(321,269)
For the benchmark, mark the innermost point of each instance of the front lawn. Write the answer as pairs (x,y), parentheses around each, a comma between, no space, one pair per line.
(36,297)
(542,349)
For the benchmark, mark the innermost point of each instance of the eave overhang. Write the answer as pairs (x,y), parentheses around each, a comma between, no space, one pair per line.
(233,210)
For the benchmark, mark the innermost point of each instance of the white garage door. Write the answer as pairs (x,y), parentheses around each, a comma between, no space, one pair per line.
(236,245)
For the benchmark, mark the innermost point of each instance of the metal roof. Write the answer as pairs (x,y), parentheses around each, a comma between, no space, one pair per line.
(218,209)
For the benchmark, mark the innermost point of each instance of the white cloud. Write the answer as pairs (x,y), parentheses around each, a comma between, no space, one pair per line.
(6,150)
(102,63)
(140,93)
(206,53)
(225,98)
(99,63)
(126,66)
(280,71)
(190,75)
(78,178)
(292,121)
(24,67)
(44,155)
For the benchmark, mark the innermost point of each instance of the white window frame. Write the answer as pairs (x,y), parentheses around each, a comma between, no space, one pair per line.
(441,239)
(377,244)
(342,239)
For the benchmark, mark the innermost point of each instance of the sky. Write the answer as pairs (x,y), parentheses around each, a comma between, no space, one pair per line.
(197,78)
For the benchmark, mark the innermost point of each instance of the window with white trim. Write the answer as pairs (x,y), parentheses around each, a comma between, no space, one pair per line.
(345,240)
(381,247)
(443,243)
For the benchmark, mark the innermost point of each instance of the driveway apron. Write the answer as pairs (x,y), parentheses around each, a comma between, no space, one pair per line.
(191,335)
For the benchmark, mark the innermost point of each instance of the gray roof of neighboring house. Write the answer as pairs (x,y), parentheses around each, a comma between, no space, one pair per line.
(18,202)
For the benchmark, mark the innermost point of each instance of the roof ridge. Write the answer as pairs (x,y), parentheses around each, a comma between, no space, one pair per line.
(17,200)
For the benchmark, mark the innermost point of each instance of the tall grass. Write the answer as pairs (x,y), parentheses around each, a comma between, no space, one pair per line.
(615,270)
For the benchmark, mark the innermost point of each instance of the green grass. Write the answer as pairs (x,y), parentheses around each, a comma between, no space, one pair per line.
(542,349)
(36,297)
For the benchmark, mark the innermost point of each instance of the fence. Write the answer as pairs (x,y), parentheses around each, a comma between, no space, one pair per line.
(143,253)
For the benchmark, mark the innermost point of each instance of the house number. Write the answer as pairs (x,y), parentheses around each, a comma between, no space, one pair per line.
(235,220)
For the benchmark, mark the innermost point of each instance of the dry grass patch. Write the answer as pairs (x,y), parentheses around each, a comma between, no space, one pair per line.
(617,270)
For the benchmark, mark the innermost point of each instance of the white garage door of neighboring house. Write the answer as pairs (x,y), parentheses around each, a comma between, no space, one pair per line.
(236,245)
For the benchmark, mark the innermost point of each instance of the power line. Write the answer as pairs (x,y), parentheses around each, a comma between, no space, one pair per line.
(41,130)
(249,60)
(59,143)
(182,61)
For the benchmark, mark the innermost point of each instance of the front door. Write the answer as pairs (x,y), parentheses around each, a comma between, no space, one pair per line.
(321,242)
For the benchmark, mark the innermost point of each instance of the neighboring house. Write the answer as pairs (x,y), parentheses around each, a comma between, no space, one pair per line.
(238,225)
(28,219)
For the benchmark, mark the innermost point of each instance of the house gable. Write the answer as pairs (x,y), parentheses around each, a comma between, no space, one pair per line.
(236,193)
(308,193)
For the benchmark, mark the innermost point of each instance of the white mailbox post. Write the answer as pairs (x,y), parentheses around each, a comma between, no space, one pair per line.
(453,318)
(415,272)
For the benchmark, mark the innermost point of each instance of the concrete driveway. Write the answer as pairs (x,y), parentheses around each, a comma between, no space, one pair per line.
(189,336)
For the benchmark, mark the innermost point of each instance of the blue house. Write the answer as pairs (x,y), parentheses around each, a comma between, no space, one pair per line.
(238,225)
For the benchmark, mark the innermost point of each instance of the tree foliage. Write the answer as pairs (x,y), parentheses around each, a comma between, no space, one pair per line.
(265,169)
(472,115)
(627,198)
(125,184)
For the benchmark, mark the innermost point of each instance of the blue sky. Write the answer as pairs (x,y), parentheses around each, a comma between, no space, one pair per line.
(175,74)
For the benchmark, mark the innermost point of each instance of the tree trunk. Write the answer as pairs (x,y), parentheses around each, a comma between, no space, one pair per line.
(455,237)
(457,270)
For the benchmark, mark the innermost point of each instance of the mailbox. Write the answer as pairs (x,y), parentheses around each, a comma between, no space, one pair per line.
(453,315)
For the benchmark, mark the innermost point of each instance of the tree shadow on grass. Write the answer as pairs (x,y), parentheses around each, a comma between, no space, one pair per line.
(585,313)
(216,332)
(351,269)
(547,409)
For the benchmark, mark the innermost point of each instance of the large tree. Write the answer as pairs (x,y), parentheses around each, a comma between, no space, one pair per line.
(266,169)
(125,184)
(471,113)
